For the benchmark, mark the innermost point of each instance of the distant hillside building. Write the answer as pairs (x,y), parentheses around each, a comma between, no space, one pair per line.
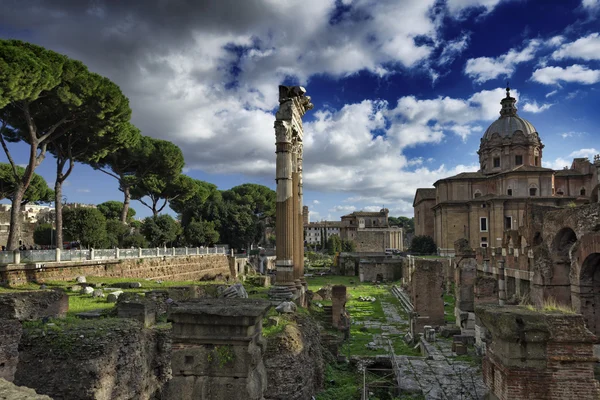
(480,206)
(320,232)
(371,231)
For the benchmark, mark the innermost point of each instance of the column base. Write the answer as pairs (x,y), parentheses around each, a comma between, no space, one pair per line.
(282,292)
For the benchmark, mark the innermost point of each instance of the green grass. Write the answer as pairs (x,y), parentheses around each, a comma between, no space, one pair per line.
(341,383)
(450,300)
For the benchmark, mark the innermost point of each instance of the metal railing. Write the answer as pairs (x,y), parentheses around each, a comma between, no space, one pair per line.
(36,256)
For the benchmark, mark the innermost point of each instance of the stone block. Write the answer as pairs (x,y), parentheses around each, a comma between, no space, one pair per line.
(32,305)
(459,348)
(143,311)
(217,350)
(112,297)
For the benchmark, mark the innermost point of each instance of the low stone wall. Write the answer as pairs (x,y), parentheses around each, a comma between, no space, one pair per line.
(192,267)
(32,305)
(95,360)
(294,360)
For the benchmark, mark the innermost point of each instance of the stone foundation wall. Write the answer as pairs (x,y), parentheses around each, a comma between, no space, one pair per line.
(380,271)
(196,267)
(294,360)
(95,360)
(32,305)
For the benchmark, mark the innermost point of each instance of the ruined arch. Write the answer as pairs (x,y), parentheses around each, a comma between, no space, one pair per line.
(558,285)
(563,241)
(589,292)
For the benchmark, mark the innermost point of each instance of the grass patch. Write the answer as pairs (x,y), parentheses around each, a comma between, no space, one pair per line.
(341,383)
(449,303)
(551,305)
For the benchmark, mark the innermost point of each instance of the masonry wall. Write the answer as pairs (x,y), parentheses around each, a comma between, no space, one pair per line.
(373,271)
(426,290)
(197,267)
(370,241)
(95,360)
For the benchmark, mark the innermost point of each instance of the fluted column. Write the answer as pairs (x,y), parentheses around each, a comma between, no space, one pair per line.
(284,228)
(300,236)
(293,104)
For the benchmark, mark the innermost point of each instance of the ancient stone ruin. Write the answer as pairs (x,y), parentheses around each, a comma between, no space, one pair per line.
(540,355)
(217,350)
(293,104)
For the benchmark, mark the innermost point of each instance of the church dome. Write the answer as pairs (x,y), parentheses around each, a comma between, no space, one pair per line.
(509,122)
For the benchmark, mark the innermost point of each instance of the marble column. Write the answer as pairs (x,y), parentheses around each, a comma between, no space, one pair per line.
(293,104)
(284,225)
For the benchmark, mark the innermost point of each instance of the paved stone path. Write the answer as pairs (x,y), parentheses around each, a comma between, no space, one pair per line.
(439,376)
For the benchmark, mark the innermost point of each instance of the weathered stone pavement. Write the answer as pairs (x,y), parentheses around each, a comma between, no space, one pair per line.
(438,376)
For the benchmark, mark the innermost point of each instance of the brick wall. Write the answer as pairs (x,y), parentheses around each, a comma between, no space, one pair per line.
(427,288)
(202,267)
(536,355)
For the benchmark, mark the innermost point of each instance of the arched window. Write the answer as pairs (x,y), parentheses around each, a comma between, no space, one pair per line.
(560,192)
(477,194)
(582,192)
(361,223)
(509,191)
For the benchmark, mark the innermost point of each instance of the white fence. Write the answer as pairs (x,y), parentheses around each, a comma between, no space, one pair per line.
(36,256)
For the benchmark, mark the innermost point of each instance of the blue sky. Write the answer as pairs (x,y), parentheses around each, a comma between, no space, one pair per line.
(403,89)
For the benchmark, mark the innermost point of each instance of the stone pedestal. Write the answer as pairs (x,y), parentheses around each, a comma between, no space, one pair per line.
(538,355)
(143,311)
(217,350)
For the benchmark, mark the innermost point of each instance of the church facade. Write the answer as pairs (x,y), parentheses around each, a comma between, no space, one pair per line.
(480,206)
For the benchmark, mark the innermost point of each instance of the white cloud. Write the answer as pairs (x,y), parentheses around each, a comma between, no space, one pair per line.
(453,48)
(590,4)
(483,69)
(535,108)
(585,48)
(572,134)
(316,202)
(587,153)
(458,7)
(83,191)
(552,93)
(345,209)
(574,73)
(559,163)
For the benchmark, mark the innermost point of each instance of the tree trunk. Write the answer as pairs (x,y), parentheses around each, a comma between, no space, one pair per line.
(58,213)
(126,201)
(14,233)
